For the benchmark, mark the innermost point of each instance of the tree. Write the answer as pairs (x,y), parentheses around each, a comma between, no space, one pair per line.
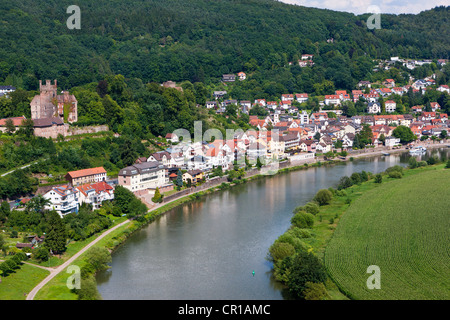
(179,179)
(10,127)
(355,178)
(305,267)
(37,203)
(56,238)
(378,178)
(344,183)
(310,207)
(303,219)
(404,133)
(317,136)
(41,254)
(444,134)
(280,250)
(4,211)
(339,144)
(323,197)
(157,198)
(258,163)
(98,258)
(315,291)
(412,163)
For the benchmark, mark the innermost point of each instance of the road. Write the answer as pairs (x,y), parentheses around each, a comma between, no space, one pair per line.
(23,167)
(57,270)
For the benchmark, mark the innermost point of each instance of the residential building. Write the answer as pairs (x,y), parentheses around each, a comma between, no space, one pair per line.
(172,137)
(390,106)
(332,99)
(373,107)
(143,176)
(301,97)
(16,121)
(242,76)
(63,199)
(84,176)
(211,104)
(193,175)
(228,77)
(6,89)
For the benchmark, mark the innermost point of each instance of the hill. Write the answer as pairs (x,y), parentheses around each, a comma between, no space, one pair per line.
(401,227)
(199,40)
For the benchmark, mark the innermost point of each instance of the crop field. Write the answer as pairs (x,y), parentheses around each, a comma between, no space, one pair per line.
(403,227)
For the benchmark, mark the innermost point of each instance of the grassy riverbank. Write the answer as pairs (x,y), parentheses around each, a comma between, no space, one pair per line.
(356,200)
(402,227)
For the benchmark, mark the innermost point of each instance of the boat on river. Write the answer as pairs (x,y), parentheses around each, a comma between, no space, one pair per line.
(418,150)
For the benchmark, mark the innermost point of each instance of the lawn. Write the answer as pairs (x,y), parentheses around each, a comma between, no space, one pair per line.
(402,226)
(16,285)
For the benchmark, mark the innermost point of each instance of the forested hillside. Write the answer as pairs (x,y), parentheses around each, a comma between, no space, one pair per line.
(199,40)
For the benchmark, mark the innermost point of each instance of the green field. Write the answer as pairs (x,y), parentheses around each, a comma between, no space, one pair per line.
(403,227)
(17,285)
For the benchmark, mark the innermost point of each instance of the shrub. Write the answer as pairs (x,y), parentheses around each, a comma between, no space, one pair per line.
(344,183)
(395,174)
(396,168)
(304,267)
(422,164)
(433,160)
(412,163)
(310,207)
(303,219)
(447,165)
(356,178)
(364,176)
(287,237)
(280,250)
(378,178)
(315,291)
(41,254)
(323,197)
(300,233)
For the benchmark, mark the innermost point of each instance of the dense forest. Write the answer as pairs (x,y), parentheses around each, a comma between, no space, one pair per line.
(199,40)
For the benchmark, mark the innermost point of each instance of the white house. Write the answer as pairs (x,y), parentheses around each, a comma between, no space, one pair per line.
(63,199)
(142,176)
(391,141)
(390,106)
(242,76)
(304,117)
(172,137)
(301,97)
(373,107)
(332,99)
(95,194)
(211,104)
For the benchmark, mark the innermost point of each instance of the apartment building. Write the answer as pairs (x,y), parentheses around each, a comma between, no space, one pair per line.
(142,176)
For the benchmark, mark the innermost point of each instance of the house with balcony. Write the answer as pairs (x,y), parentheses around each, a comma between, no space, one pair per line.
(144,176)
(63,199)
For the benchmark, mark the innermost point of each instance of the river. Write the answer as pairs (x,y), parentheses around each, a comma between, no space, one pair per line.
(209,248)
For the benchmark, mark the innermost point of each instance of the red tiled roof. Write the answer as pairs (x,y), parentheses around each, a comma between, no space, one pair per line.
(17,121)
(86,172)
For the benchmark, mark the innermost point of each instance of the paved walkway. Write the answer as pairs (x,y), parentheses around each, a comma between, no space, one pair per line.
(55,271)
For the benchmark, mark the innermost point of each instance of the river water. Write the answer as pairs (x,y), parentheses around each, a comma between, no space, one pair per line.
(209,248)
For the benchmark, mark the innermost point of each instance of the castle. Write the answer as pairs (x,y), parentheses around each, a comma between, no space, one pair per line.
(48,104)
(51,113)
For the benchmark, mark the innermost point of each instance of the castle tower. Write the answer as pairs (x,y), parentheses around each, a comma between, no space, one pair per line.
(49,104)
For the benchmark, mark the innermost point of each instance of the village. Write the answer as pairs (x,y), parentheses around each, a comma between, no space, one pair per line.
(286,134)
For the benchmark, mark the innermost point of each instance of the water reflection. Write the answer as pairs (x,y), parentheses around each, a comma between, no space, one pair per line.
(208,248)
